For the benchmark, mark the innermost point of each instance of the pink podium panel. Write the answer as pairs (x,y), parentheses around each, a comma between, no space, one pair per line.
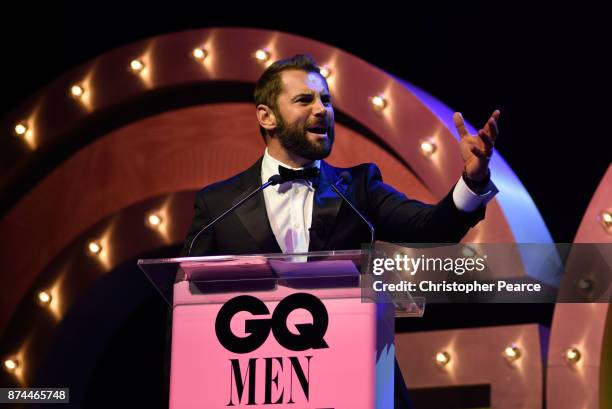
(266,332)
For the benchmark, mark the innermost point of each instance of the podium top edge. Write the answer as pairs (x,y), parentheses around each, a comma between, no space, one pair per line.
(337,253)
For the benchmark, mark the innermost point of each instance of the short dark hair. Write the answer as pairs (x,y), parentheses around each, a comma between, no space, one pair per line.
(269,85)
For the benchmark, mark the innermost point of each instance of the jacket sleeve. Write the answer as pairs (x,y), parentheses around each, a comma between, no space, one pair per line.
(403,220)
(204,244)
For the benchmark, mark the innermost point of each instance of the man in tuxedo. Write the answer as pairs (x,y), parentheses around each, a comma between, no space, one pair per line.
(296,119)
(302,213)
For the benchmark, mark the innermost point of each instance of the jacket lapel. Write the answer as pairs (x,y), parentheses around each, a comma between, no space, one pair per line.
(325,208)
(252,214)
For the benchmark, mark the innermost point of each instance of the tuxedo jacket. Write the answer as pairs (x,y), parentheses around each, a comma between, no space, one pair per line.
(334,226)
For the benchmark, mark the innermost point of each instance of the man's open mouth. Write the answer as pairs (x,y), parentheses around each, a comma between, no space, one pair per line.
(318,130)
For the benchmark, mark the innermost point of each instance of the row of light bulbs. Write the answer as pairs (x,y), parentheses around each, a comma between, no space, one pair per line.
(200,54)
(379,102)
(428,147)
(512,353)
(153,220)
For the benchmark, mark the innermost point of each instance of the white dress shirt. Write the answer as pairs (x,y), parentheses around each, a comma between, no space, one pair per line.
(289,205)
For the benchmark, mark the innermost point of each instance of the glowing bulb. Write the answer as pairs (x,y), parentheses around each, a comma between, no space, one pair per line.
(77,91)
(573,355)
(325,71)
(606,218)
(44,297)
(262,55)
(585,285)
(442,358)
(199,54)
(428,148)
(136,65)
(154,220)
(11,364)
(512,353)
(378,102)
(20,129)
(94,247)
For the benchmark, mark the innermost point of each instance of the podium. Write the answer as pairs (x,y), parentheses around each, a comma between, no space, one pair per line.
(276,330)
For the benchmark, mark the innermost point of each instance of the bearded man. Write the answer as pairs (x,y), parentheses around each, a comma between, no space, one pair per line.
(296,119)
(302,213)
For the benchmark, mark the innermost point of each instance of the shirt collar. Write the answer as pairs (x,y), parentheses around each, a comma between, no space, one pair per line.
(269,167)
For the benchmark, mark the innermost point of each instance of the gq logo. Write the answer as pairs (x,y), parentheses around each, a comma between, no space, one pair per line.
(310,335)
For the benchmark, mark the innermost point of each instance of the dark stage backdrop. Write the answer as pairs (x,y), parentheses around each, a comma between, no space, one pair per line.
(541,64)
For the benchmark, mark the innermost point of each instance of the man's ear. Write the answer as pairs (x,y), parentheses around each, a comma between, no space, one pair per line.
(266,117)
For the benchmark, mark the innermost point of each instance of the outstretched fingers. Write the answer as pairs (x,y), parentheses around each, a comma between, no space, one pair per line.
(460,124)
(491,128)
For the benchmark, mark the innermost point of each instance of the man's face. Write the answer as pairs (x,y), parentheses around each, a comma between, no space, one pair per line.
(305,117)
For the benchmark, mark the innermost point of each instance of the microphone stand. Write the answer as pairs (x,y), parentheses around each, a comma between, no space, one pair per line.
(274,180)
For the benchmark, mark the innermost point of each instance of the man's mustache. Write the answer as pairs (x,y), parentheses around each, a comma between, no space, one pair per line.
(319,124)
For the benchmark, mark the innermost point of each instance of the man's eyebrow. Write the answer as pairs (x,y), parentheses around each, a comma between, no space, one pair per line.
(309,94)
(303,94)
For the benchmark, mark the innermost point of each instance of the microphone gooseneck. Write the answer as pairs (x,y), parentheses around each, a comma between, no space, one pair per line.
(273,180)
(345,177)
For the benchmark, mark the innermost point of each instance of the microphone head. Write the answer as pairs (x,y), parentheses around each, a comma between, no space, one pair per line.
(275,179)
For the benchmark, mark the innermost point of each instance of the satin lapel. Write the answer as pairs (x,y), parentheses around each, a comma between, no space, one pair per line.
(253,213)
(325,208)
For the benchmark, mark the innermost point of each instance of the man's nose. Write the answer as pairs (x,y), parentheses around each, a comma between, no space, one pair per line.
(319,108)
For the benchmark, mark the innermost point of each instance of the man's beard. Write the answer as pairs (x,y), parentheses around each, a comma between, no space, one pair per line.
(294,139)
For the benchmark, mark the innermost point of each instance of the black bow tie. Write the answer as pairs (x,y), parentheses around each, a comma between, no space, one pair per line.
(288,175)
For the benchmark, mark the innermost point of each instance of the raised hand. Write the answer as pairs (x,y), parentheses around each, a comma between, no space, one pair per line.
(476,150)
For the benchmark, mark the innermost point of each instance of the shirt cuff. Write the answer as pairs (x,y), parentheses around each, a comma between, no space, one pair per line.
(468,201)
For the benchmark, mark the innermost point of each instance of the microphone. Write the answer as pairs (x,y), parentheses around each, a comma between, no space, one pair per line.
(274,180)
(345,177)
